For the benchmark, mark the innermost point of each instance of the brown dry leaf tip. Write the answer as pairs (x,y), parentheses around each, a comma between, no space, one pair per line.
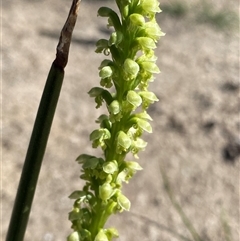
(66,35)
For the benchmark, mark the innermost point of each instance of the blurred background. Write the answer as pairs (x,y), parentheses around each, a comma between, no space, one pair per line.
(195,145)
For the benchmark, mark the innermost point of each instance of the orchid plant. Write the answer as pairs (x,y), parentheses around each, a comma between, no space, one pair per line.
(125,74)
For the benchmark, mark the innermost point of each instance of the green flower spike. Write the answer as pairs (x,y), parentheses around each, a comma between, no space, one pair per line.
(128,67)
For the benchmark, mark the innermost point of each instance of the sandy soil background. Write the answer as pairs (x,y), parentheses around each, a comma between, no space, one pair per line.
(196,122)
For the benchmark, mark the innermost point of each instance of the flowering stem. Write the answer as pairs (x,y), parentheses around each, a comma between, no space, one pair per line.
(129,71)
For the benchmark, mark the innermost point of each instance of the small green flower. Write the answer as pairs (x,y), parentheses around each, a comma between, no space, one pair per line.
(73,237)
(114,107)
(134,99)
(106,191)
(122,177)
(150,67)
(148,98)
(123,202)
(106,76)
(99,136)
(110,167)
(101,236)
(149,8)
(144,125)
(146,43)
(133,166)
(131,69)
(152,30)
(143,115)
(123,141)
(115,111)
(138,145)
(137,19)
(106,72)
(111,233)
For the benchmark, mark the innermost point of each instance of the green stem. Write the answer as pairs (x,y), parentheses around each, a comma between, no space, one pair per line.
(36,149)
(40,133)
(101,216)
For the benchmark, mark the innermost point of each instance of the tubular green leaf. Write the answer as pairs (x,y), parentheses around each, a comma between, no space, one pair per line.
(41,130)
(35,153)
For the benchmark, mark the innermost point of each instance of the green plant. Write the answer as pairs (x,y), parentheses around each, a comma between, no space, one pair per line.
(124,88)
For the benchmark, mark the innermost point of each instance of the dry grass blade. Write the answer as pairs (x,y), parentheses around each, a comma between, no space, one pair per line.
(178,207)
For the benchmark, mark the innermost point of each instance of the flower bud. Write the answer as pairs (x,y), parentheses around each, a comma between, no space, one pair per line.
(134,98)
(144,115)
(137,19)
(110,167)
(123,202)
(148,97)
(146,43)
(133,165)
(150,7)
(153,30)
(112,233)
(144,125)
(105,191)
(114,107)
(123,140)
(131,68)
(105,72)
(101,236)
(73,237)
(138,145)
(99,136)
(150,67)
(122,177)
